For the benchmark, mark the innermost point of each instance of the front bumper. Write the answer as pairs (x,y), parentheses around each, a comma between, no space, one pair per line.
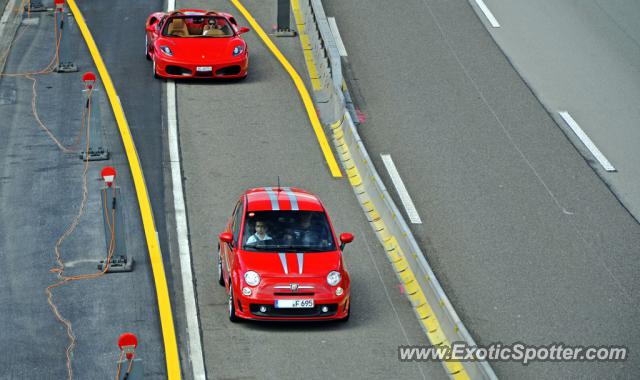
(230,68)
(260,305)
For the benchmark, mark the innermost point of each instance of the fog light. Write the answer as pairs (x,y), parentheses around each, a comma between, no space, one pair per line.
(339,291)
(325,309)
(246,291)
(263,309)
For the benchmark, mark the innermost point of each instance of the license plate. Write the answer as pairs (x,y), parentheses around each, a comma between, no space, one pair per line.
(204,68)
(294,304)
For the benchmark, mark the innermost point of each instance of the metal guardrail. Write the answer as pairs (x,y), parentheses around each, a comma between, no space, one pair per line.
(432,306)
(329,98)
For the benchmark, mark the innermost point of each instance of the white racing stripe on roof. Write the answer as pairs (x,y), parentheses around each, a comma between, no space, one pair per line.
(292,198)
(273,197)
(283,260)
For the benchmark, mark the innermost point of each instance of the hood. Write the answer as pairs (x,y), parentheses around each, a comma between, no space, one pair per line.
(303,264)
(201,49)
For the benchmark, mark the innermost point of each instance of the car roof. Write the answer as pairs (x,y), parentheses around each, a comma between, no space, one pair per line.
(281,198)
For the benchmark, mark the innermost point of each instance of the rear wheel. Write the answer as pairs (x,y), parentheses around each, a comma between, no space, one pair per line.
(232,305)
(220,276)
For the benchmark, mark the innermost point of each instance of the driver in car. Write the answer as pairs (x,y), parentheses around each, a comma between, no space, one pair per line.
(261,233)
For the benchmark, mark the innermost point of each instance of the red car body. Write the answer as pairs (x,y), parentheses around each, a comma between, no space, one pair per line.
(293,284)
(180,45)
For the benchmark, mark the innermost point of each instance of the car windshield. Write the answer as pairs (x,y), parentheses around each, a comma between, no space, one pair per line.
(197,27)
(287,231)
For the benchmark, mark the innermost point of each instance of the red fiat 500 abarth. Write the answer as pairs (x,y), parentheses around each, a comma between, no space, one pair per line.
(279,259)
(191,43)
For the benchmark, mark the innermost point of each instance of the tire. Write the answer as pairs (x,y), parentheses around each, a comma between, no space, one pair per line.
(155,73)
(232,305)
(220,275)
(146,48)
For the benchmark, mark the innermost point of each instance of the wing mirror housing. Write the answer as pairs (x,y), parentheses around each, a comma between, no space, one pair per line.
(243,30)
(226,237)
(151,29)
(345,238)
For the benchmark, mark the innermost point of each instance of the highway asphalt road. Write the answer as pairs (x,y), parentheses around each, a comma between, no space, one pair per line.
(583,57)
(245,134)
(529,243)
(40,195)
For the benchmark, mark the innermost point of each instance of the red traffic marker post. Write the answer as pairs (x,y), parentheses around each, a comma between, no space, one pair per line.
(114,227)
(96,149)
(65,50)
(89,79)
(108,173)
(128,343)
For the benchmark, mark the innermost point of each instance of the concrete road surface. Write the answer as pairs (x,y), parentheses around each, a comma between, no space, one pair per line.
(529,243)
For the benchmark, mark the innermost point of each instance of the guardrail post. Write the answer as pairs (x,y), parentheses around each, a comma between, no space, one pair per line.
(283,29)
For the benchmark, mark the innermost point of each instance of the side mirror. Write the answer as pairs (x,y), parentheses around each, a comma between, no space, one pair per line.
(243,30)
(151,28)
(226,237)
(345,238)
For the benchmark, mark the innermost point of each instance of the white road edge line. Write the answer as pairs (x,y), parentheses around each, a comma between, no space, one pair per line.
(191,310)
(488,14)
(336,35)
(5,15)
(409,207)
(587,141)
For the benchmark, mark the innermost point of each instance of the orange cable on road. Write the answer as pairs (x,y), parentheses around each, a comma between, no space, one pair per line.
(153,246)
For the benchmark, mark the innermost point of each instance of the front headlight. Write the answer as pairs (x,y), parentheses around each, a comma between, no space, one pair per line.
(252,278)
(238,50)
(333,278)
(166,50)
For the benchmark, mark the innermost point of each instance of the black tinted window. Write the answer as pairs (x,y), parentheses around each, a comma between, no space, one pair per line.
(287,231)
(237,220)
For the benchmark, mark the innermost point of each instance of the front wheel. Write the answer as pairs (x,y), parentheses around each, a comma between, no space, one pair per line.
(220,275)
(232,305)
(146,48)
(155,71)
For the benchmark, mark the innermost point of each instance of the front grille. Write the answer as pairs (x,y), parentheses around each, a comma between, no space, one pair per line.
(204,73)
(308,312)
(229,70)
(293,294)
(177,70)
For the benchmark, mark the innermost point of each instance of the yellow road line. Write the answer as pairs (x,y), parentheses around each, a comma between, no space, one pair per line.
(304,94)
(162,293)
(306,46)
(396,256)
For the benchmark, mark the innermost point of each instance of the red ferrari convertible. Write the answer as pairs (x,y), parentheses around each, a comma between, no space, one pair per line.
(190,43)
(279,260)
